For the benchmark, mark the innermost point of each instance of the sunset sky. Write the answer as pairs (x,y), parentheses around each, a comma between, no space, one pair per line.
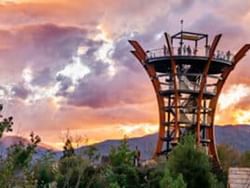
(66,64)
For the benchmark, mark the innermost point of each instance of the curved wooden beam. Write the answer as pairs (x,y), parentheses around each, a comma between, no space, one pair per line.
(140,54)
(176,94)
(139,51)
(203,85)
(239,55)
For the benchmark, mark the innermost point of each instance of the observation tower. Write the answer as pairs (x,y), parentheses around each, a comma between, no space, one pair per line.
(187,74)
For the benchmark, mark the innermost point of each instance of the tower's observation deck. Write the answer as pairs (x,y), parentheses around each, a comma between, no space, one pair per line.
(187,80)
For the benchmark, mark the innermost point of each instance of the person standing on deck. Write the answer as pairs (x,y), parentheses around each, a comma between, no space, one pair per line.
(189,51)
(207,50)
(179,50)
(165,52)
(228,54)
(184,49)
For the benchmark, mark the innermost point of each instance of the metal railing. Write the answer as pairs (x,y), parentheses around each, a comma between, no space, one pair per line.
(183,83)
(192,86)
(199,52)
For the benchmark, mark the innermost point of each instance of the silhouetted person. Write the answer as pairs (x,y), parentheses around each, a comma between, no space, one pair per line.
(218,54)
(189,51)
(179,50)
(184,49)
(165,51)
(222,55)
(228,54)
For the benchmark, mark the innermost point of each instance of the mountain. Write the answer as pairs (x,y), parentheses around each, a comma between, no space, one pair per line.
(236,136)
(146,145)
(7,141)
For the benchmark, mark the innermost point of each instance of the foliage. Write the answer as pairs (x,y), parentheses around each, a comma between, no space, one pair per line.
(20,154)
(121,154)
(15,169)
(75,171)
(151,176)
(169,181)
(45,171)
(245,159)
(6,125)
(92,153)
(68,149)
(70,171)
(228,156)
(121,171)
(192,163)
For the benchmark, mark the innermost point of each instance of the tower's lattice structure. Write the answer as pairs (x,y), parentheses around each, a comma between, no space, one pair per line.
(187,81)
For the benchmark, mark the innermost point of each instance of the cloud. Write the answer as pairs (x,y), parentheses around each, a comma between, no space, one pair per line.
(20,91)
(44,49)
(234,95)
(233,104)
(64,84)
(43,77)
(48,49)
(212,24)
(59,12)
(99,91)
(40,46)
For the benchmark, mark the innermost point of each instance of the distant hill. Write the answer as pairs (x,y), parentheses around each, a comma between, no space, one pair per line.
(237,136)
(146,145)
(7,141)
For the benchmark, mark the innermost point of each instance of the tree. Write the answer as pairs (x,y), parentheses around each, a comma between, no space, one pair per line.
(245,159)
(68,149)
(45,171)
(121,154)
(192,163)
(71,172)
(16,168)
(5,124)
(229,157)
(92,153)
(21,154)
(154,177)
(169,181)
(121,171)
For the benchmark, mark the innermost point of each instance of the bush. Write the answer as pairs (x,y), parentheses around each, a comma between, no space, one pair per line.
(169,181)
(121,171)
(192,163)
(45,171)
